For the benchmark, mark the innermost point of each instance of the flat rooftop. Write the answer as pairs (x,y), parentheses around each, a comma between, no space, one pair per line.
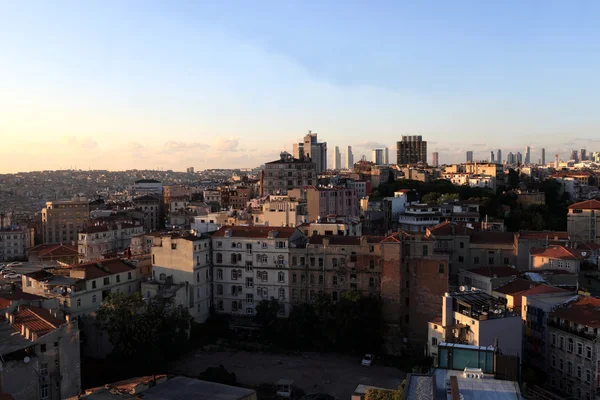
(487,388)
(182,388)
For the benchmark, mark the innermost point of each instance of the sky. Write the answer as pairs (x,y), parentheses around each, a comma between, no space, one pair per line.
(226,84)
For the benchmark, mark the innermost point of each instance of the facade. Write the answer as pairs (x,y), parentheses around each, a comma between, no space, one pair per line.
(143,187)
(40,353)
(81,288)
(150,205)
(311,150)
(96,242)
(349,158)
(435,159)
(362,188)
(287,173)
(499,157)
(337,158)
(62,220)
(573,367)
(380,156)
(411,150)
(486,278)
(527,155)
(419,217)
(329,226)
(181,265)
(543,157)
(281,211)
(527,240)
(482,181)
(469,156)
(583,221)
(14,243)
(321,202)
(557,257)
(252,264)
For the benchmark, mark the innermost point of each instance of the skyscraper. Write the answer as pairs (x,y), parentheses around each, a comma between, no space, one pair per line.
(469,156)
(527,155)
(583,155)
(499,157)
(574,155)
(380,156)
(311,148)
(435,159)
(543,156)
(349,158)
(492,156)
(411,150)
(510,159)
(519,159)
(337,158)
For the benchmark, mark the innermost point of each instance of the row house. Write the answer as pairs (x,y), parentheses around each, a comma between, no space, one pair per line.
(252,264)
(81,288)
(15,242)
(322,202)
(181,269)
(151,207)
(583,220)
(573,361)
(287,173)
(96,242)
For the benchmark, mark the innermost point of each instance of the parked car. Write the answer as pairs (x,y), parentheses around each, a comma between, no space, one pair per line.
(12,275)
(14,264)
(367,360)
(2,266)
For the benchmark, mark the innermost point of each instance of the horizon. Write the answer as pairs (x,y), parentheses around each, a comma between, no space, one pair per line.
(140,85)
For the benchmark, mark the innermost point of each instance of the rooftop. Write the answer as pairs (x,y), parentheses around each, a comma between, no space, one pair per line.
(54,250)
(255,232)
(147,181)
(586,205)
(450,228)
(584,311)
(484,237)
(559,252)
(497,272)
(550,235)
(516,286)
(337,240)
(182,388)
(38,320)
(420,387)
(487,388)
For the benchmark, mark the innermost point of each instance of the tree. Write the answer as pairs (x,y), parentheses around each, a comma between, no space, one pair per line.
(385,394)
(266,317)
(513,179)
(219,375)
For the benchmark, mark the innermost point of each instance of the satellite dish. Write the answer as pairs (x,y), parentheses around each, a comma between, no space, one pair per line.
(26,360)
(583,254)
(462,288)
(69,290)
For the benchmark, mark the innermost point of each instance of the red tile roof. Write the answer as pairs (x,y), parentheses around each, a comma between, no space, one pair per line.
(7,298)
(584,311)
(102,268)
(499,272)
(38,320)
(255,232)
(543,289)
(55,250)
(550,235)
(447,228)
(586,205)
(484,237)
(558,252)
(516,286)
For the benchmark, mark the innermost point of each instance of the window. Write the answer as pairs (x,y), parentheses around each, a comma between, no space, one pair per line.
(334,262)
(491,260)
(281,310)
(249,282)
(371,282)
(506,261)
(249,266)
(425,250)
(302,278)
(93,284)
(312,261)
(219,258)
(570,368)
(320,262)
(561,364)
(264,245)
(55,344)
(44,391)
(281,293)
(475,260)
(162,277)
(234,306)
(462,245)
(588,376)
(234,258)
(173,246)
(94,299)
(294,294)
(250,311)
(553,361)
(578,372)
(461,259)
(553,339)
(219,289)
(129,275)
(219,273)
(372,264)
(440,269)
(579,349)
(434,341)
(320,279)
(265,276)
(312,295)
(249,298)
(44,369)
(234,274)
(294,278)
(78,302)
(334,296)
(335,280)
(197,276)
(570,345)
(220,305)
(219,244)
(118,278)
(281,277)
(561,341)
(588,352)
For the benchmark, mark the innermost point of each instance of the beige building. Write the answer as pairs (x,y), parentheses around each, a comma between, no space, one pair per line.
(181,268)
(40,352)
(14,243)
(95,242)
(142,244)
(63,219)
(583,221)
(281,211)
(80,289)
(287,173)
(343,226)
(252,264)
(557,257)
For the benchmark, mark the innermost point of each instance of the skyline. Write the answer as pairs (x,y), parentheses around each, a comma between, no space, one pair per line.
(149,85)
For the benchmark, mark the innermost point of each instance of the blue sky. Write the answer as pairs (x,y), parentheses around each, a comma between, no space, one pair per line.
(147,84)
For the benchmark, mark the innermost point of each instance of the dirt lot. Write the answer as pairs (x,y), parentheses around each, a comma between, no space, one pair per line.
(312,372)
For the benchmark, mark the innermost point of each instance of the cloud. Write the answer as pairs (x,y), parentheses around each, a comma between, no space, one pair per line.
(479,145)
(135,146)
(173,146)
(84,143)
(224,144)
(586,140)
(369,144)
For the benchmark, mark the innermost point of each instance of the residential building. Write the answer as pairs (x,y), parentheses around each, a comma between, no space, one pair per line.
(482,181)
(583,221)
(469,156)
(475,318)
(181,269)
(150,205)
(411,150)
(321,202)
(311,150)
(435,159)
(527,240)
(40,352)
(337,158)
(65,253)
(574,156)
(349,158)
(419,217)
(281,211)
(142,244)
(251,264)
(511,159)
(81,288)
(62,219)
(287,173)
(486,278)
(212,196)
(499,157)
(380,156)
(102,240)
(557,257)
(573,366)
(332,225)
(144,187)
(14,243)
(363,188)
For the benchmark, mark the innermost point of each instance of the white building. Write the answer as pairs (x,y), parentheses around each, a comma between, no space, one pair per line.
(15,242)
(252,264)
(337,158)
(419,217)
(380,156)
(147,186)
(473,180)
(181,269)
(97,241)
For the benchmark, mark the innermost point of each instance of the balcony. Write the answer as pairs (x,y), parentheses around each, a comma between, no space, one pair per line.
(578,332)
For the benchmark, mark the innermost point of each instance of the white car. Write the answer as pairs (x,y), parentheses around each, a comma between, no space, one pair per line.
(367,360)
(14,264)
(11,276)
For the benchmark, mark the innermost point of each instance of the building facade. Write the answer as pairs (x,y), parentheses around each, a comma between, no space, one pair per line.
(14,243)
(583,221)
(150,205)
(287,173)
(96,242)
(321,202)
(337,158)
(63,219)
(411,150)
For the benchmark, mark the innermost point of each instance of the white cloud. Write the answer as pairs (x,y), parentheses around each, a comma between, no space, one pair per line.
(224,144)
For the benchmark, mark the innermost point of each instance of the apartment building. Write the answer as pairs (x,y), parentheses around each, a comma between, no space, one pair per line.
(334,265)
(181,269)
(362,188)
(527,240)
(476,318)
(80,289)
(281,211)
(583,220)
(333,225)
(573,367)
(480,181)
(287,173)
(62,220)
(14,243)
(419,217)
(142,244)
(322,202)
(150,205)
(411,150)
(143,187)
(557,257)
(40,352)
(252,264)
(101,240)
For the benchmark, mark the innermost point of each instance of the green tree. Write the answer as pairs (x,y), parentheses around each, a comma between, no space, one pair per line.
(513,179)
(266,317)
(385,394)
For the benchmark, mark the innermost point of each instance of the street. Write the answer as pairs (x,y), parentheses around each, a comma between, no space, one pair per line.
(312,372)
